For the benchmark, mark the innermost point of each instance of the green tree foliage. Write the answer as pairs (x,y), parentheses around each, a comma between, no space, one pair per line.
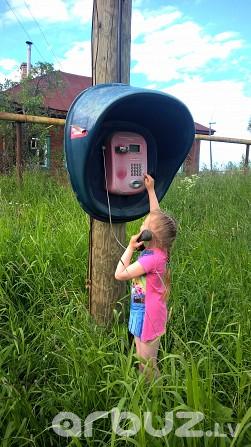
(7,129)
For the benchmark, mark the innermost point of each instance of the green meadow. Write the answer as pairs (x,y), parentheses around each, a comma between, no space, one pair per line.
(54,358)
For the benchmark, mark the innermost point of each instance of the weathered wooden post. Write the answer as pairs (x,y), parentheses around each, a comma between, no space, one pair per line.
(19,152)
(246,162)
(192,161)
(111,42)
(2,153)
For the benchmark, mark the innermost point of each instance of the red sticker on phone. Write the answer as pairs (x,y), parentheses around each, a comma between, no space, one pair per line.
(78,132)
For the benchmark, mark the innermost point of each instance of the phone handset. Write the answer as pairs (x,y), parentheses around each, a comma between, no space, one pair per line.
(146,236)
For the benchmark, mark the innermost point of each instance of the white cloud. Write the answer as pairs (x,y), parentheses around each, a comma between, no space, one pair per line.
(8,64)
(150,22)
(82,9)
(137,3)
(181,50)
(169,50)
(164,61)
(9,69)
(77,60)
(49,11)
(223,102)
(13,75)
(52,11)
(226,35)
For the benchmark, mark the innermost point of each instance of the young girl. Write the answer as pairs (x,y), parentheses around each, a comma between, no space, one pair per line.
(150,276)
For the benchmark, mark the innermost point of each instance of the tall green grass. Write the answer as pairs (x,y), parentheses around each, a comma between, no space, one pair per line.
(54,358)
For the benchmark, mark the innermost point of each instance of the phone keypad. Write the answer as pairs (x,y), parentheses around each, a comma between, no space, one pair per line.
(136,169)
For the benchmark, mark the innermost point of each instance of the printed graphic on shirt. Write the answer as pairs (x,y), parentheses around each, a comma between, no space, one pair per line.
(146,252)
(138,290)
(137,307)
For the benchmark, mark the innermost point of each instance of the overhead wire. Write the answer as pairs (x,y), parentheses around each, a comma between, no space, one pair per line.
(50,48)
(36,47)
(23,28)
(42,32)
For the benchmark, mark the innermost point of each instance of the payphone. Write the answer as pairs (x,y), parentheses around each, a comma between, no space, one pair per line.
(126,163)
(129,131)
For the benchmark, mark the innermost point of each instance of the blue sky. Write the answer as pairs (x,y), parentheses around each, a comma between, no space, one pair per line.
(197,50)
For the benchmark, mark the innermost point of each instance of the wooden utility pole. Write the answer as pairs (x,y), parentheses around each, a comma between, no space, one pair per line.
(111,42)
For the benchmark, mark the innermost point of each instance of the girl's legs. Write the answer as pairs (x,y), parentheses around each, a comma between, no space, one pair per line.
(149,352)
(138,351)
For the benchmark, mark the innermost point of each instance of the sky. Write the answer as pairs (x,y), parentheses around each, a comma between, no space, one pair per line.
(196,50)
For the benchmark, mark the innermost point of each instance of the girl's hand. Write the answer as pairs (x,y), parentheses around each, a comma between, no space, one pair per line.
(133,244)
(149,182)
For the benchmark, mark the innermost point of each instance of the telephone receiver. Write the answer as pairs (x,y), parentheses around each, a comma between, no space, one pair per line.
(146,235)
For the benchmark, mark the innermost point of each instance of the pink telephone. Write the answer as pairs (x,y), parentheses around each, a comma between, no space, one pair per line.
(126,163)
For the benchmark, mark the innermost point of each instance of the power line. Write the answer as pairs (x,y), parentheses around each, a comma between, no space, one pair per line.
(49,47)
(29,37)
(43,34)
(23,28)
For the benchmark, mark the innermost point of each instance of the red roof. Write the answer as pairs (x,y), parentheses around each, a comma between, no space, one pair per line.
(72,85)
(203,129)
(61,98)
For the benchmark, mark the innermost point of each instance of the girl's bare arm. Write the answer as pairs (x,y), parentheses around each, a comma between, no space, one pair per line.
(124,269)
(149,184)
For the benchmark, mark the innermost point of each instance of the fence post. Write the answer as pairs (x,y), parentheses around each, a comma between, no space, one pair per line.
(246,162)
(19,152)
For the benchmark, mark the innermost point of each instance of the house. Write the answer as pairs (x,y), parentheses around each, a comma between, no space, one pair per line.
(192,162)
(59,89)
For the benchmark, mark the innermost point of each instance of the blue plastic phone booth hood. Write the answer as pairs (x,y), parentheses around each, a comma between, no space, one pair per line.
(165,123)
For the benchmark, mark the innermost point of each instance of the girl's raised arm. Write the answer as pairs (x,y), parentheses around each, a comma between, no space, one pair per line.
(149,184)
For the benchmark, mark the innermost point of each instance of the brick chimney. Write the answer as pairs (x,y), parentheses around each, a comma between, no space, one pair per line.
(23,70)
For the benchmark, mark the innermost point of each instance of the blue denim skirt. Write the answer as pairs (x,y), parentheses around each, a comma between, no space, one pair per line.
(136,319)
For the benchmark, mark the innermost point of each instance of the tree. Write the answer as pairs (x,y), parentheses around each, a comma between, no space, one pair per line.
(7,131)
(27,97)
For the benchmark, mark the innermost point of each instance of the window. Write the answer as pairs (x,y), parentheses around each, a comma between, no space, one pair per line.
(40,152)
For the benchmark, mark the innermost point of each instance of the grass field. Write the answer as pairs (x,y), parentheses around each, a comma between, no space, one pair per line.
(53,358)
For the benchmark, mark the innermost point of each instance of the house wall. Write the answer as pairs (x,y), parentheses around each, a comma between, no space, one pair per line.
(56,159)
(7,153)
(55,155)
(2,144)
(192,162)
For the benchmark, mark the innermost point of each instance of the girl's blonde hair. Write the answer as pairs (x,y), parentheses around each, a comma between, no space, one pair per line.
(164,229)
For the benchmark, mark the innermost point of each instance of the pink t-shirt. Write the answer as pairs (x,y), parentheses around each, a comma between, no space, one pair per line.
(148,311)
